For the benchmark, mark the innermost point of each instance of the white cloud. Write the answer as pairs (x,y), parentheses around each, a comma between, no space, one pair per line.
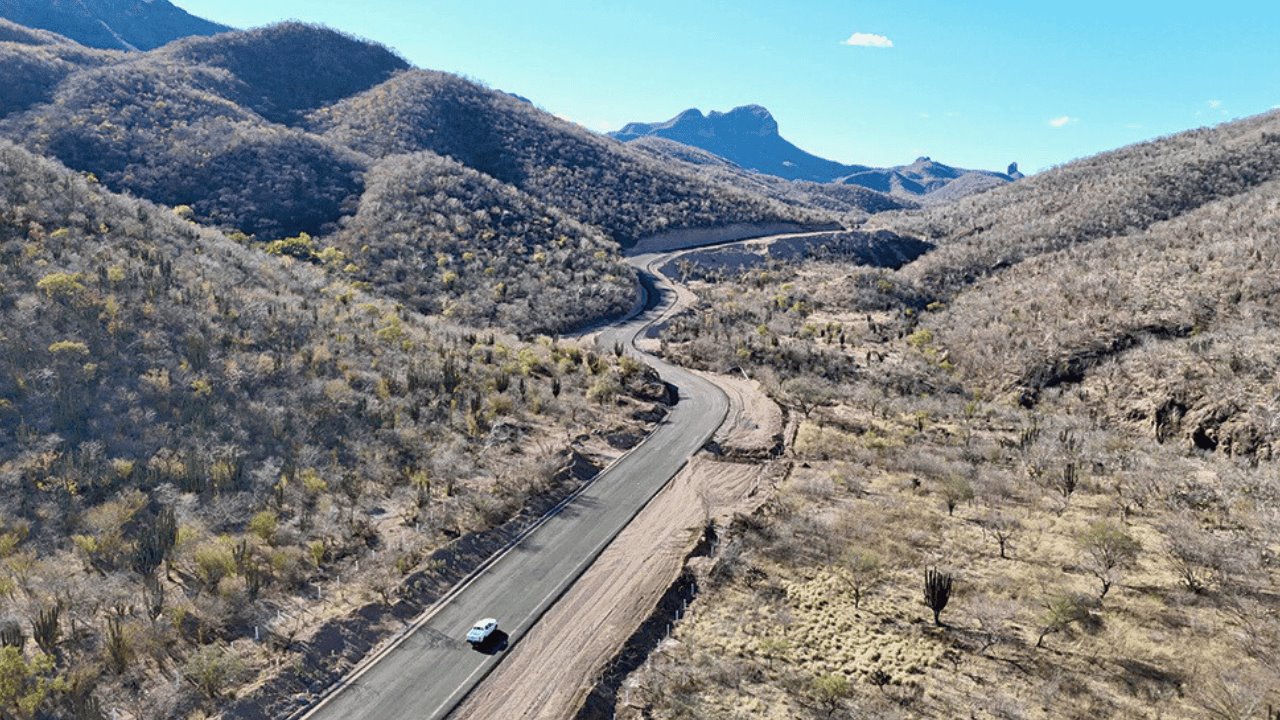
(861,39)
(1063,121)
(1214,104)
(925,116)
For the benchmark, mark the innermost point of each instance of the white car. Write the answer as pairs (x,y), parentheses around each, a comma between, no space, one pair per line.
(481,631)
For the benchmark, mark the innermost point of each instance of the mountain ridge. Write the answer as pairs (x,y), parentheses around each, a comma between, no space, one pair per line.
(749,137)
(111,24)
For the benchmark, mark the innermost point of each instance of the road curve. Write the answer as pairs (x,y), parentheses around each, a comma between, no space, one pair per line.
(432,669)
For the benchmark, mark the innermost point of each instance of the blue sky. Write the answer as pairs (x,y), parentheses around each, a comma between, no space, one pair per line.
(977,83)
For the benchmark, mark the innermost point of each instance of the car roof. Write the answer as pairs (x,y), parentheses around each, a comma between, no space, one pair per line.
(486,621)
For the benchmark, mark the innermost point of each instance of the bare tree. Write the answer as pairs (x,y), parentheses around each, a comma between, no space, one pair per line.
(807,393)
(1196,555)
(1002,528)
(993,615)
(1108,551)
(1061,611)
(862,570)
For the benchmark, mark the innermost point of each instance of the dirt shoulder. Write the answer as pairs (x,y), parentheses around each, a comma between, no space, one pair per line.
(553,668)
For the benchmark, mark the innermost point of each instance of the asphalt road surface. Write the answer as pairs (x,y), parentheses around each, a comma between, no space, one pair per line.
(433,668)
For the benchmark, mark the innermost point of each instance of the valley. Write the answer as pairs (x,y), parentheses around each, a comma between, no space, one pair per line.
(311,357)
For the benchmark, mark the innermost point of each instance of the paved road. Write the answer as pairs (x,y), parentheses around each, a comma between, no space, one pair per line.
(430,672)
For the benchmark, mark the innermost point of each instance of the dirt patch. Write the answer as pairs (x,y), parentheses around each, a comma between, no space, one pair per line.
(753,428)
(551,671)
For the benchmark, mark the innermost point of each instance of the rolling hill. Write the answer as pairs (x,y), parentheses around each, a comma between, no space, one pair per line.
(34,62)
(170,133)
(446,239)
(242,129)
(593,179)
(290,69)
(110,24)
(1114,193)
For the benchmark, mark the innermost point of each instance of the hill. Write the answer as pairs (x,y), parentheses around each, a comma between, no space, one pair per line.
(197,435)
(290,69)
(110,24)
(33,63)
(593,179)
(1111,194)
(211,126)
(242,130)
(748,136)
(170,133)
(1068,409)
(1153,284)
(16,33)
(443,238)
(198,122)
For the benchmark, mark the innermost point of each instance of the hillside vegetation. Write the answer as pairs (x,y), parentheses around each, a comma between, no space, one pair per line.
(13,32)
(1107,195)
(33,67)
(446,239)
(593,179)
(197,434)
(167,132)
(1080,440)
(291,68)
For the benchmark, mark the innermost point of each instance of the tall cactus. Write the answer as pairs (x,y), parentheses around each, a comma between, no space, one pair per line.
(117,645)
(156,543)
(46,630)
(937,591)
(11,634)
(153,594)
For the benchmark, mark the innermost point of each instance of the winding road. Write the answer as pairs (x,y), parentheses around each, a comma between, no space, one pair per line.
(431,669)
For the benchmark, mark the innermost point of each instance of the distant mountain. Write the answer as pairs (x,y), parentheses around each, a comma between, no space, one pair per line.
(748,136)
(110,24)
(832,197)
